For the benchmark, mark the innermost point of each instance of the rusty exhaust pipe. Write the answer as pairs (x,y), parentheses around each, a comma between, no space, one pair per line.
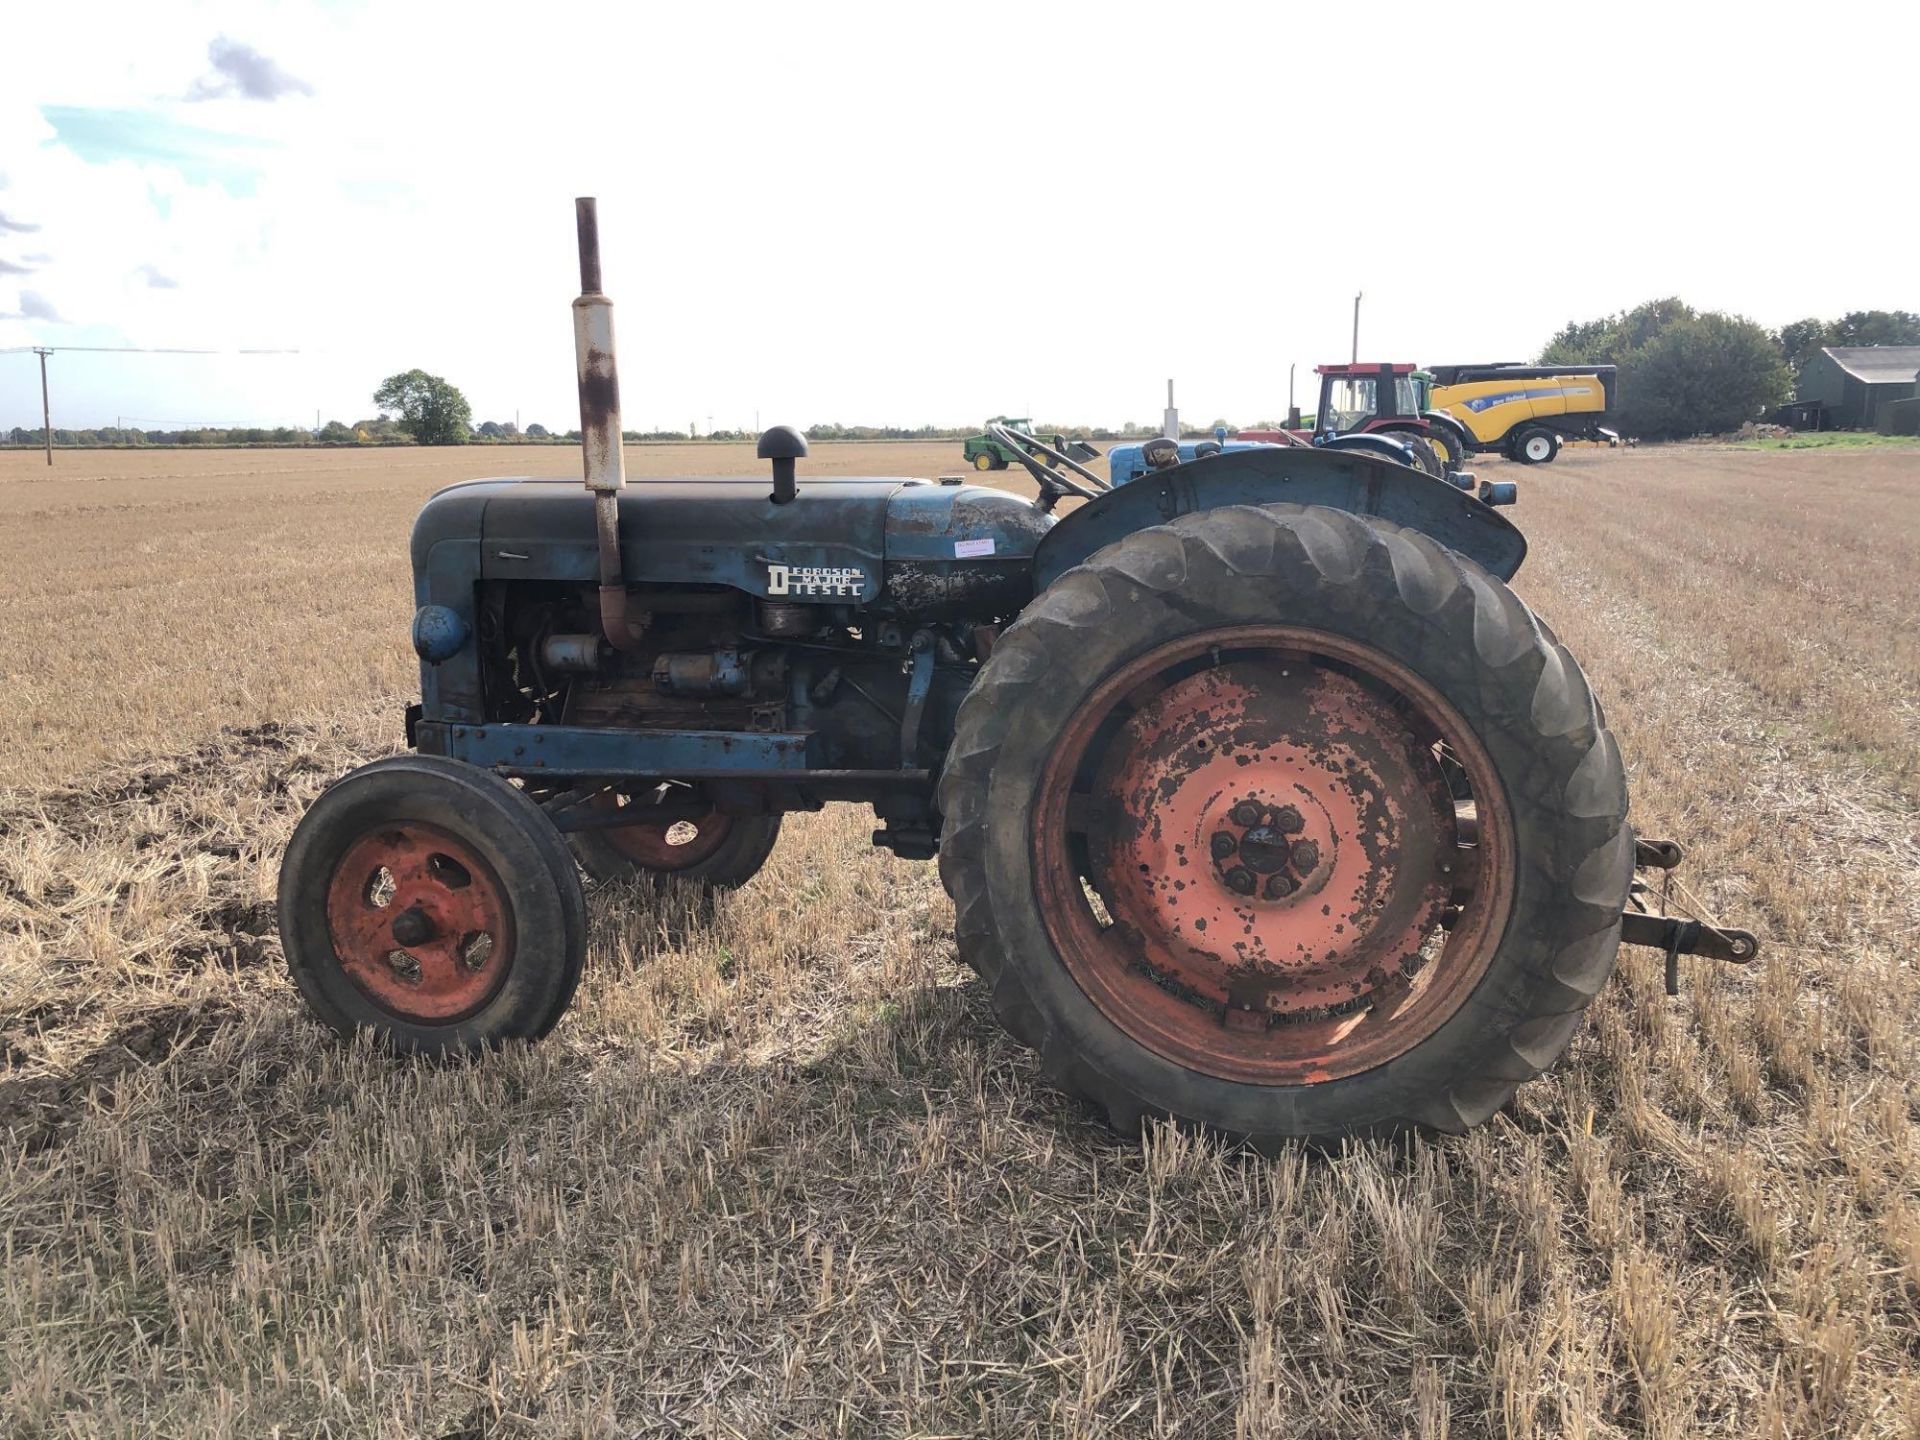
(600,425)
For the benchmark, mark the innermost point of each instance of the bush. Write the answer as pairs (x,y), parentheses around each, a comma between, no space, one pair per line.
(1682,372)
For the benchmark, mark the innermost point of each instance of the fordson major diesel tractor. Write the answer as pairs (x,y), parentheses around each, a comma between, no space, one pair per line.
(1263,801)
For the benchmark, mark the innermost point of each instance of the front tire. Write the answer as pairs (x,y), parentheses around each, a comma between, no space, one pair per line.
(1094,818)
(434,904)
(1453,452)
(983,461)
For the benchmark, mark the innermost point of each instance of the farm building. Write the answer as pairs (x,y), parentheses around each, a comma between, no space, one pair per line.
(1844,386)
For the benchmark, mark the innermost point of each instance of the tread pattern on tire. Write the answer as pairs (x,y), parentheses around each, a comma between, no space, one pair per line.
(1564,929)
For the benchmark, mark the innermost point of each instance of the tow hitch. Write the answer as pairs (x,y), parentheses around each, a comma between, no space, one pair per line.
(1677,935)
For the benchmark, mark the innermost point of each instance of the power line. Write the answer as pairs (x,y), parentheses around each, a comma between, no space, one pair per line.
(43,351)
(128,350)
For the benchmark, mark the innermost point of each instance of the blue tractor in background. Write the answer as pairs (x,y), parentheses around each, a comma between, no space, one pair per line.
(1263,801)
(1129,462)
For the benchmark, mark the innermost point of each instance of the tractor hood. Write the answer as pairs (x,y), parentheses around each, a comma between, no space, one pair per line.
(841,541)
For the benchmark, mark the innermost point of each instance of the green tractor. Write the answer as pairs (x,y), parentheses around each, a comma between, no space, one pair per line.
(990,451)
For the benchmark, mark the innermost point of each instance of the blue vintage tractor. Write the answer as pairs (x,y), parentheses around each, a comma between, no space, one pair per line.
(1129,462)
(1263,802)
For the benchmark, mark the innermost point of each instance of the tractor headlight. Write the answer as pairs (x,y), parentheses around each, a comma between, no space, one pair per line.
(438,633)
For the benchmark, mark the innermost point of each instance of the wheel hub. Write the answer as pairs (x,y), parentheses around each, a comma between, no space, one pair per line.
(420,922)
(1261,854)
(1323,823)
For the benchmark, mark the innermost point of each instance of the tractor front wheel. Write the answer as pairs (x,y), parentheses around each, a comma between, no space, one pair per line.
(1453,453)
(431,903)
(983,460)
(1289,823)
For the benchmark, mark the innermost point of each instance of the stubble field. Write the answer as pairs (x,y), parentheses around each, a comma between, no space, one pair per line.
(778,1172)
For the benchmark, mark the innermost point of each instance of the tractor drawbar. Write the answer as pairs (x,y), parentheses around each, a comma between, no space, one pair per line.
(600,423)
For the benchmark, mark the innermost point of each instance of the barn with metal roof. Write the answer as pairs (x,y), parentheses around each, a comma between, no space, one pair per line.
(1845,385)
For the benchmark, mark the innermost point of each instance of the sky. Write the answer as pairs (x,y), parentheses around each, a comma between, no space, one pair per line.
(907,214)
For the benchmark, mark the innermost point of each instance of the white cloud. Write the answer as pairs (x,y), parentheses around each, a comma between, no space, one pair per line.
(240,70)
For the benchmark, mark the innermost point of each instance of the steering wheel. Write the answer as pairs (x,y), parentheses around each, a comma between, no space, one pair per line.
(1053,484)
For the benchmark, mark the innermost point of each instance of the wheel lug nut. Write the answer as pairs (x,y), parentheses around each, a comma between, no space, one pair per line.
(1246,813)
(1288,821)
(1240,880)
(1223,844)
(1279,886)
(1306,855)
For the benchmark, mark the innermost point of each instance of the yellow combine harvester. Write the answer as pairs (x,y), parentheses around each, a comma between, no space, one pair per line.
(1525,411)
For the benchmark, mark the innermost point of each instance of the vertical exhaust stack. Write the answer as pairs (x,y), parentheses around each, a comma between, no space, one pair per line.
(600,423)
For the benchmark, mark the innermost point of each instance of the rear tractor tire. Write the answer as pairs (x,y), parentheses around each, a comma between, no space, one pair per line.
(1288,823)
(717,851)
(432,903)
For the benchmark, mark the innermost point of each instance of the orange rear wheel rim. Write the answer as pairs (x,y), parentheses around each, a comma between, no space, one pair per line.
(1248,854)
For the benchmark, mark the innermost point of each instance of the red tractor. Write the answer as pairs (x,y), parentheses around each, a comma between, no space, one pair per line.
(1380,399)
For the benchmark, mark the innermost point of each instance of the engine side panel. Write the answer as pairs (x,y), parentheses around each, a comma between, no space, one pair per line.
(960,552)
(1340,480)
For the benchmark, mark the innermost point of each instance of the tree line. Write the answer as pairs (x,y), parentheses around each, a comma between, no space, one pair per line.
(1703,372)
(1681,372)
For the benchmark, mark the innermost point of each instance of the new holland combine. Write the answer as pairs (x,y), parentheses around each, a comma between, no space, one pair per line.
(1263,801)
(1524,412)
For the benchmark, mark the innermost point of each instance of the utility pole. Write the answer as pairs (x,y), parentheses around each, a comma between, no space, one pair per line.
(1356,326)
(46,410)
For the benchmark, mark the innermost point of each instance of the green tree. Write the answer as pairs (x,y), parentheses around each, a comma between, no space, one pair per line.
(430,410)
(1704,374)
(1608,340)
(1803,339)
(1682,372)
(1877,327)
